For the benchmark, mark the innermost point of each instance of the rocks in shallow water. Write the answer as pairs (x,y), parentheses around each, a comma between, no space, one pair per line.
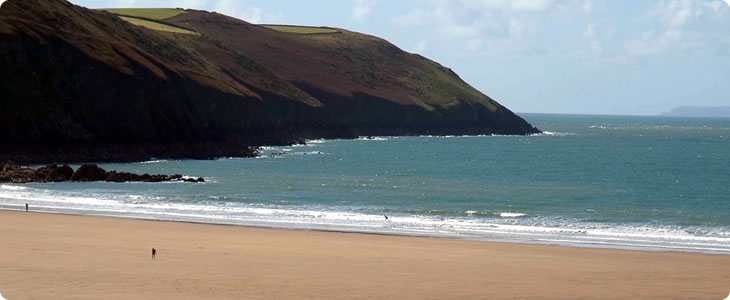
(89,173)
(51,173)
(86,173)
(115,176)
(199,179)
(54,173)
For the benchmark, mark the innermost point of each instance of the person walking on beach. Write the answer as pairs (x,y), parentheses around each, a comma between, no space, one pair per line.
(26,207)
(154,252)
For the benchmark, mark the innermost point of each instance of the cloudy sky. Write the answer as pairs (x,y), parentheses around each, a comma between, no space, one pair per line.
(549,56)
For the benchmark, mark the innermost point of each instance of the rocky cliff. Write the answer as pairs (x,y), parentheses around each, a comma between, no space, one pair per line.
(85,85)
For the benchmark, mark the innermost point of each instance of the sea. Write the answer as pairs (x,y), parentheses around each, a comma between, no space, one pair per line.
(628,182)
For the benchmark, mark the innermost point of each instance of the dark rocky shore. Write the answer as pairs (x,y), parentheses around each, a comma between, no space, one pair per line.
(13,173)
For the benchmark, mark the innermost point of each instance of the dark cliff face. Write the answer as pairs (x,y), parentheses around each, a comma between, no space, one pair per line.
(84,85)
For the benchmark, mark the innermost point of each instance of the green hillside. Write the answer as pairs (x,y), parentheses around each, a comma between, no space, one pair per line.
(301,29)
(149,13)
(157,26)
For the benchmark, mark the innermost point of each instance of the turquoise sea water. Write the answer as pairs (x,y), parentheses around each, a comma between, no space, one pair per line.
(604,181)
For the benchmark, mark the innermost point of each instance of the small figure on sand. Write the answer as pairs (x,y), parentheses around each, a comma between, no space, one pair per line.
(154,252)
(26,207)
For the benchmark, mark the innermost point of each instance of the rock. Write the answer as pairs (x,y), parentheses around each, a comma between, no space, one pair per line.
(8,166)
(158,178)
(89,173)
(54,173)
(10,172)
(114,176)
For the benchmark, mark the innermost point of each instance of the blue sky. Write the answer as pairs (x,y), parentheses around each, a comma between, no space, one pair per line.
(548,56)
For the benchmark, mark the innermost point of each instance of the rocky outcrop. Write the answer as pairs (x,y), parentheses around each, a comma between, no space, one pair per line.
(51,173)
(12,173)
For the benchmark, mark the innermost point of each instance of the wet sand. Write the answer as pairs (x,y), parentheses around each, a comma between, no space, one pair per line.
(49,256)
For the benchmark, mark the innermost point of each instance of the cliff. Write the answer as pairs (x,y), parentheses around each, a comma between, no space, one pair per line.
(87,85)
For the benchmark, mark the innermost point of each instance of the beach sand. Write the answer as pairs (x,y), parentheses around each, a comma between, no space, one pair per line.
(48,256)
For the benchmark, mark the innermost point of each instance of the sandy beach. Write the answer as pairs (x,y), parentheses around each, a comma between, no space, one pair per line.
(47,256)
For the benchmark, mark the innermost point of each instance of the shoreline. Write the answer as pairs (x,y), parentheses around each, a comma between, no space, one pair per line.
(569,244)
(45,255)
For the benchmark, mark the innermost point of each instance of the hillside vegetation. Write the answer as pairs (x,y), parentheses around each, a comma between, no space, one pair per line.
(157,26)
(301,29)
(87,85)
(149,13)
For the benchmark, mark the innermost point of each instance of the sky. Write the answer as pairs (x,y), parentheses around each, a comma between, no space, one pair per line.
(635,57)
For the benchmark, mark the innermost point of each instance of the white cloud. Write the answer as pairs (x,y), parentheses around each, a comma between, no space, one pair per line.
(240,10)
(596,48)
(420,48)
(650,43)
(521,6)
(588,6)
(416,17)
(516,28)
(494,5)
(678,13)
(728,2)
(590,31)
(596,36)
(507,26)
(474,44)
(200,4)
(686,25)
(252,15)
(362,9)
(591,35)
(517,5)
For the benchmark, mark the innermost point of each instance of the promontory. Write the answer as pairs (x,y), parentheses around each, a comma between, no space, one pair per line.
(79,85)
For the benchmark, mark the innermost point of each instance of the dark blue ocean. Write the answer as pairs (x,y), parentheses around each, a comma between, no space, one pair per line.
(653,183)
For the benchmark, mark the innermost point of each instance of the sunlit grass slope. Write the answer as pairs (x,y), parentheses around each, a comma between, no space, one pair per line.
(301,29)
(157,26)
(149,13)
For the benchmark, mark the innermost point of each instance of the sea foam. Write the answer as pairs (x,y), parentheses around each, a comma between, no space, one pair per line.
(531,229)
(511,215)
(376,138)
(12,187)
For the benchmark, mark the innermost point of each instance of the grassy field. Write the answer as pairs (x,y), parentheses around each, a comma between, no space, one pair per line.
(157,26)
(301,29)
(149,13)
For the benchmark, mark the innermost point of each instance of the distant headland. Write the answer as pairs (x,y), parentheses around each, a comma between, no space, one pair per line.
(699,111)
(80,85)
